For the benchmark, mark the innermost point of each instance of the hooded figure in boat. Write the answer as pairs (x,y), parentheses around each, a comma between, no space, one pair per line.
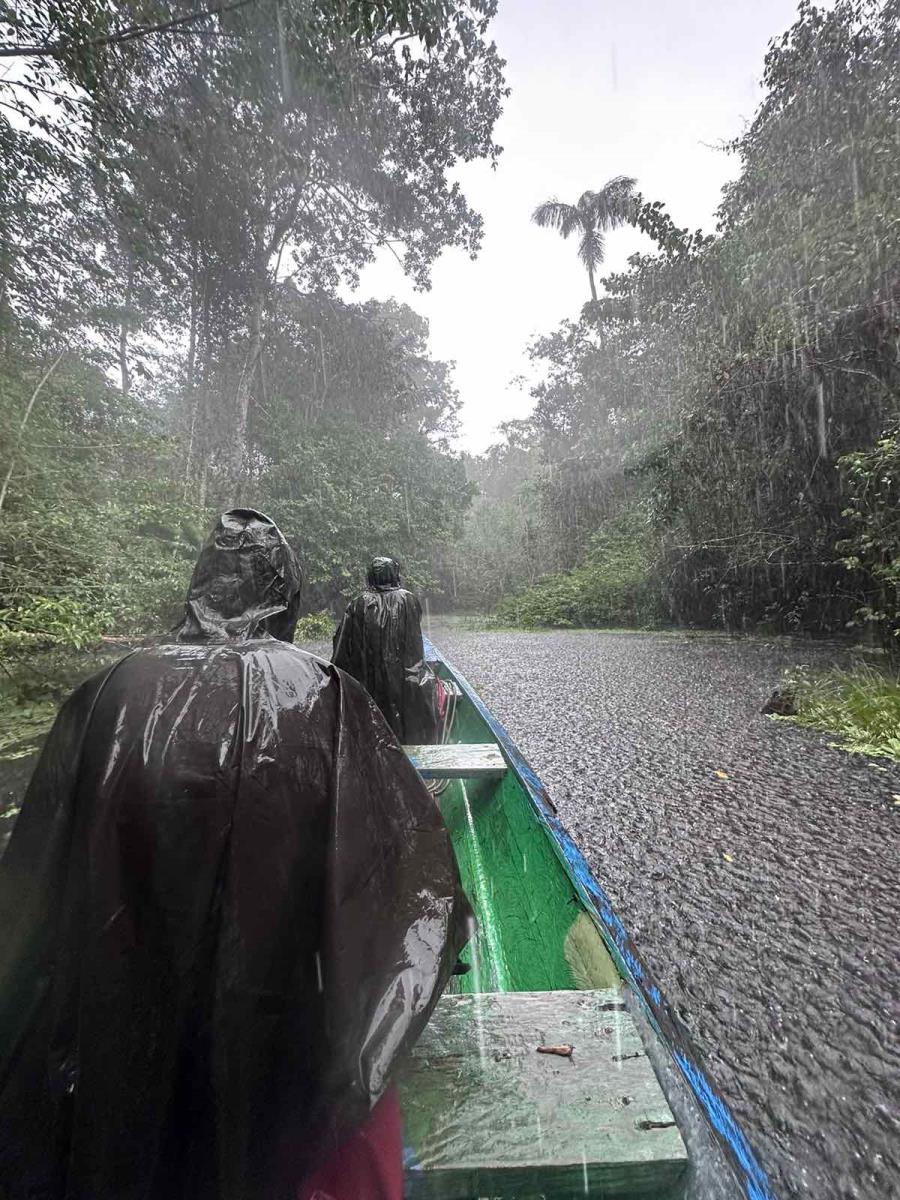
(379,642)
(228,905)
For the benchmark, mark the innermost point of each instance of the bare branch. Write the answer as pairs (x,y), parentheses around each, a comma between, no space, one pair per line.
(34,395)
(132,33)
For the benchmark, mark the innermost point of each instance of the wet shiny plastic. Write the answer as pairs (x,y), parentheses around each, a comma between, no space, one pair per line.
(228,905)
(379,642)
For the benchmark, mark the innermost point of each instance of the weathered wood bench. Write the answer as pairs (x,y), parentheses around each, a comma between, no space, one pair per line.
(486,1114)
(460,760)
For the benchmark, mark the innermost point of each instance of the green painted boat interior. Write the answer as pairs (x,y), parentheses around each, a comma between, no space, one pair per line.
(533,933)
(536,948)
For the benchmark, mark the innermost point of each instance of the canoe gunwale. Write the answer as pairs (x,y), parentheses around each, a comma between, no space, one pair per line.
(748,1173)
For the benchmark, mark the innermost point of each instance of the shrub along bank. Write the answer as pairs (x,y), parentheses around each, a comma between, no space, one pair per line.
(614,586)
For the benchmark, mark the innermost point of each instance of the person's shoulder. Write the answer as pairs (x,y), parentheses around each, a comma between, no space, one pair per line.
(355,604)
(308,658)
(282,657)
(125,664)
(138,670)
(156,656)
(285,656)
(157,660)
(81,700)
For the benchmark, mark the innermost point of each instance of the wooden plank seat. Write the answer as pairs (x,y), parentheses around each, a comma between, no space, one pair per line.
(458,760)
(486,1114)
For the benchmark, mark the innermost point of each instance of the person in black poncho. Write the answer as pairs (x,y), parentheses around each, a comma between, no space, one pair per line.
(196,1000)
(379,643)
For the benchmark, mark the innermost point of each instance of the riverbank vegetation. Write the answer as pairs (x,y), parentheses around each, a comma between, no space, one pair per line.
(181,210)
(735,395)
(612,584)
(860,705)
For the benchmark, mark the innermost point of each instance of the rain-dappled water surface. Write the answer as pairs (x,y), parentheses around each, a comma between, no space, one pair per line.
(755,866)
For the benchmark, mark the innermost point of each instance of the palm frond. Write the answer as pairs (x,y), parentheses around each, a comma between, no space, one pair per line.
(591,248)
(554,214)
(613,204)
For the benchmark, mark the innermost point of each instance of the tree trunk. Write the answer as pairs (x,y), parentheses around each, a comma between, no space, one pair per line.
(192,334)
(123,359)
(821,426)
(123,332)
(268,248)
(34,395)
(286,88)
(4,313)
(817,379)
(203,394)
(196,395)
(593,285)
(243,397)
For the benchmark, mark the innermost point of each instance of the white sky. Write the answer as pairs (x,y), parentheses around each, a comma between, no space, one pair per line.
(648,88)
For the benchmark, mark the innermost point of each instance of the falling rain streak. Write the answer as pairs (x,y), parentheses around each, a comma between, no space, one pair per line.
(708,438)
(781,962)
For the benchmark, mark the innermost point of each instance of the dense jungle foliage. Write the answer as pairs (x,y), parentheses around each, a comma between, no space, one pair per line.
(733,399)
(714,440)
(179,209)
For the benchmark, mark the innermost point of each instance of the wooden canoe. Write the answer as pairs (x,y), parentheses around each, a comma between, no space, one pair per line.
(535,1076)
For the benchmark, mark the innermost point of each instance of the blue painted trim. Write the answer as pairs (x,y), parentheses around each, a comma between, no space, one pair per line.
(750,1175)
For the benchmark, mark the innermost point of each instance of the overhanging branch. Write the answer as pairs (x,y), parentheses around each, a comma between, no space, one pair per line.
(132,33)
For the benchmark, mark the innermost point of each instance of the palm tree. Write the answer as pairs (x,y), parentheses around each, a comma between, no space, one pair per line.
(593,215)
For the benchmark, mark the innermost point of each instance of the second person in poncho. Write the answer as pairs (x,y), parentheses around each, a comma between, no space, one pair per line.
(379,642)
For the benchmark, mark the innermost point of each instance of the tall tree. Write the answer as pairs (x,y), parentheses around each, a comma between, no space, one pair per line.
(197,182)
(592,216)
(292,150)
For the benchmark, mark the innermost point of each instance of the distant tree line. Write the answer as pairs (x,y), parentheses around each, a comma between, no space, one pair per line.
(727,409)
(185,187)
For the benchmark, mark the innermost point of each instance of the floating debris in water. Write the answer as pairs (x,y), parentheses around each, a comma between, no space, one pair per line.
(560,1051)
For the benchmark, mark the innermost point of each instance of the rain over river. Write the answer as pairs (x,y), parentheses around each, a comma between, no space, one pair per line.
(754,865)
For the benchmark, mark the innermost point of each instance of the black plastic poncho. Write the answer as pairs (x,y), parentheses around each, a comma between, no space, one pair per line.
(379,642)
(228,905)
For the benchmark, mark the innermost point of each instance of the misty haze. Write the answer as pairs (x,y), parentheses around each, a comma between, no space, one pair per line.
(449,599)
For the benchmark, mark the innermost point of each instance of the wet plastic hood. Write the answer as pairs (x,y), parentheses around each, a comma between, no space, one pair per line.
(228,905)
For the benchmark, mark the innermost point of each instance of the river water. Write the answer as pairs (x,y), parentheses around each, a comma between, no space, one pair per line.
(755,866)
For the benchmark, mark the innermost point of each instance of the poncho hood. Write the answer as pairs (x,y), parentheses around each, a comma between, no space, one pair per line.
(383,574)
(246,582)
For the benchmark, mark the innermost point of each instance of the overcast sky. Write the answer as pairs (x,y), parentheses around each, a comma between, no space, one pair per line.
(649,88)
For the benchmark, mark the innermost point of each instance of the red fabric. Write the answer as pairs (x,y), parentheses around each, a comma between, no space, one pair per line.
(369,1165)
(441,698)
